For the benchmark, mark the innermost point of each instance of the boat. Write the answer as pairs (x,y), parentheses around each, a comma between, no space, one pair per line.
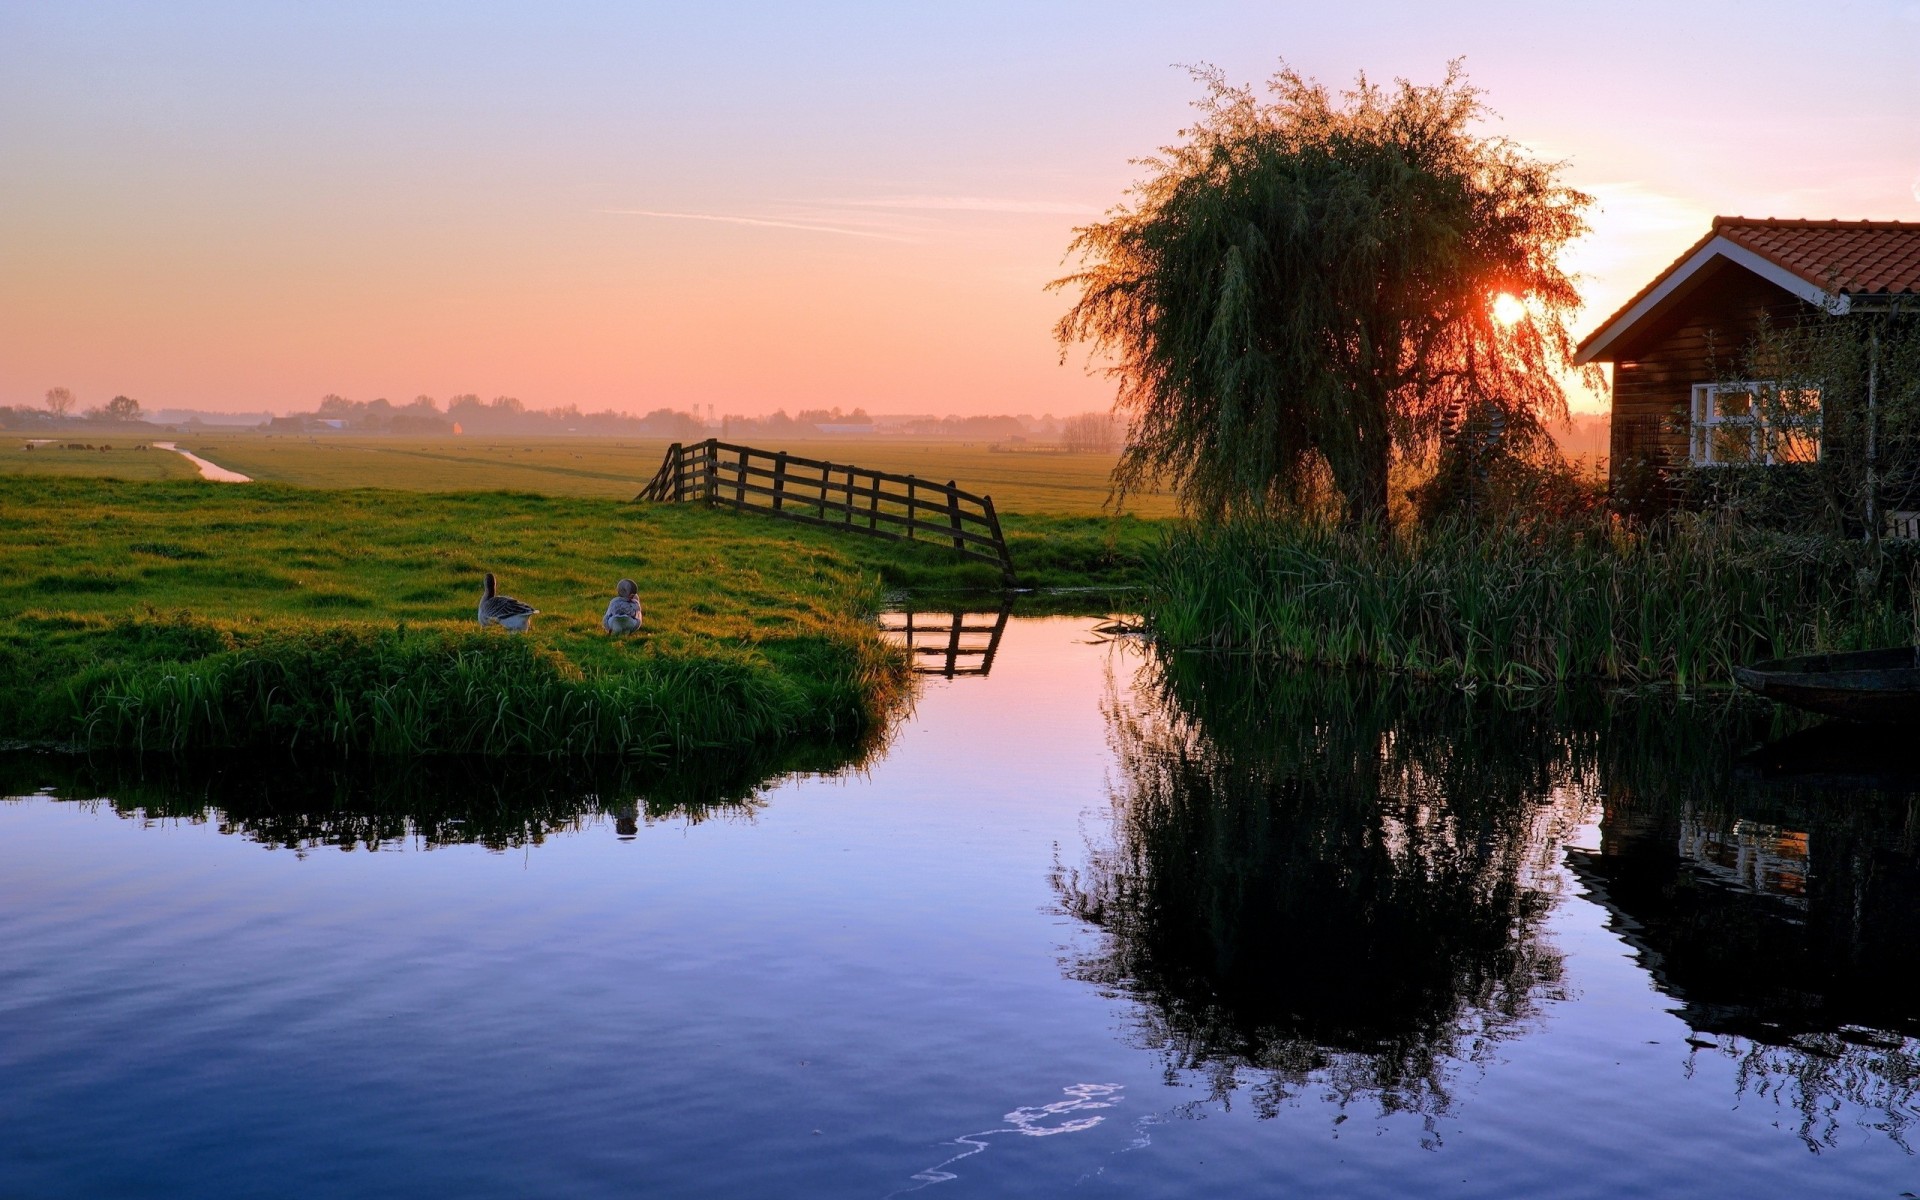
(1860,685)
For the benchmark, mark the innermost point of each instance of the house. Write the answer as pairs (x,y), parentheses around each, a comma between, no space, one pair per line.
(1673,345)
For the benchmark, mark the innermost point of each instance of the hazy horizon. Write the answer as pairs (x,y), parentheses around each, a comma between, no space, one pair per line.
(247,207)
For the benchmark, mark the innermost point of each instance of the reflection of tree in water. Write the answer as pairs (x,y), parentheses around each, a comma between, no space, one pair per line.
(431,801)
(1315,881)
(1338,882)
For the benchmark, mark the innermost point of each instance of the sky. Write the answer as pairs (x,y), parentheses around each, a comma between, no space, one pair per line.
(758,207)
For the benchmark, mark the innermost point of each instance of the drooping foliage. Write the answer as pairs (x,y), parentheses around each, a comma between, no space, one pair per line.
(1302,290)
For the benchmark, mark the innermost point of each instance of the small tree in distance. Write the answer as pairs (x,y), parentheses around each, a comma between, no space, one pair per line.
(59,401)
(1302,291)
(118,409)
(1088,433)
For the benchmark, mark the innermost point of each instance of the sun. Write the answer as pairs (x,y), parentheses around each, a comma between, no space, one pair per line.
(1507,309)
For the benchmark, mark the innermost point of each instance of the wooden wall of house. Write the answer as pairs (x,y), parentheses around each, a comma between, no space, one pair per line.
(1700,340)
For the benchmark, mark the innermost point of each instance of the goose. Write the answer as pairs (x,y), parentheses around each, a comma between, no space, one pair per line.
(503,611)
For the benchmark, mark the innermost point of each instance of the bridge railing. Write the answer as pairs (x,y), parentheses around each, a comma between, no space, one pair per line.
(881,504)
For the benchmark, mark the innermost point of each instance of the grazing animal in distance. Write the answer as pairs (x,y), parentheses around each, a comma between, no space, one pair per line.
(504,611)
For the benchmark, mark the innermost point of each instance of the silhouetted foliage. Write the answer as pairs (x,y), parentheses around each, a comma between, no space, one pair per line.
(1302,290)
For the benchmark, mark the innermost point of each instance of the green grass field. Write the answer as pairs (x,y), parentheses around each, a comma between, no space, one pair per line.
(332,599)
(1029,483)
(121,462)
(116,592)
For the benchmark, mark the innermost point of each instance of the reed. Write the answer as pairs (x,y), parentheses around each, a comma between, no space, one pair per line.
(1682,602)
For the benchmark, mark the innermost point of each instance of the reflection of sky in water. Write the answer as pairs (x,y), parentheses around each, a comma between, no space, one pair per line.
(827,996)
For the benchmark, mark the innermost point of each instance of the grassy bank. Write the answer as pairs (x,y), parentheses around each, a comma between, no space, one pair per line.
(192,615)
(1683,603)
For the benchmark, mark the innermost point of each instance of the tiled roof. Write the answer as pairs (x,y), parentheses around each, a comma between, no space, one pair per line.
(1855,257)
(1816,260)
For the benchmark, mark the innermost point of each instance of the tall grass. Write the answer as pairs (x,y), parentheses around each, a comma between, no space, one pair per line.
(442,691)
(1683,602)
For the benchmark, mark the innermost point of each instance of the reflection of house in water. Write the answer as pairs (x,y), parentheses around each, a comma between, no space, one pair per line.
(948,643)
(1748,854)
(1793,921)
(1781,925)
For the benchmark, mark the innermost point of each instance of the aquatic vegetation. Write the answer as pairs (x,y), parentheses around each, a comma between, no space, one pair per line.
(1684,601)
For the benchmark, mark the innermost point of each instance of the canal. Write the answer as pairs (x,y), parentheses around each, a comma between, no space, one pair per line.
(1085,922)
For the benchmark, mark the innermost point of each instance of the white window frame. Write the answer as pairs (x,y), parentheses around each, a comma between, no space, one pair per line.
(1707,421)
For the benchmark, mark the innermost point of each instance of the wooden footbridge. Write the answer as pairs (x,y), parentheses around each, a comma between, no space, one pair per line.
(901,508)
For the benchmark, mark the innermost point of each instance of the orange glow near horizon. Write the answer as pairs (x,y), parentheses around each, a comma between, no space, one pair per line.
(845,206)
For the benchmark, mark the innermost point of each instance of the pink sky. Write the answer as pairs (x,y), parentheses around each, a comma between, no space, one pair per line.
(247,206)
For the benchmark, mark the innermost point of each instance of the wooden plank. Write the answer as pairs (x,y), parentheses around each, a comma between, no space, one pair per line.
(861,490)
(815,464)
(835,507)
(693,472)
(953,516)
(806,519)
(999,539)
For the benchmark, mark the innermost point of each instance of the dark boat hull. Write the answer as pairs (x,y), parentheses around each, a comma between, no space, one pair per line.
(1864,685)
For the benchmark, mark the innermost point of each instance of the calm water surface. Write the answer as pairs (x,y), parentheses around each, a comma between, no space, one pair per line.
(1088,924)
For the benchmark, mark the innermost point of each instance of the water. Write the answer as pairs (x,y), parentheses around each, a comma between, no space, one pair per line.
(1085,925)
(208,470)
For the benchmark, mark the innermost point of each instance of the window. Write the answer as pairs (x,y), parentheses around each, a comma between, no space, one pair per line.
(1748,424)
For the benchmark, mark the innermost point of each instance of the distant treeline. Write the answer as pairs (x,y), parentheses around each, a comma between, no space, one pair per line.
(59,414)
(424,415)
(470,414)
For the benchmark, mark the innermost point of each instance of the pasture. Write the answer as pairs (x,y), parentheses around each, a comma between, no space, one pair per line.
(119,461)
(1028,482)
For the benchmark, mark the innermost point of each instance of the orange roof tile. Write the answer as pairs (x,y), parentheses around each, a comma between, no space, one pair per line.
(1855,257)
(1851,258)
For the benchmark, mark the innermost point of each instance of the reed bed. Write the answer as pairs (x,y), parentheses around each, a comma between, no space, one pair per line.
(1682,602)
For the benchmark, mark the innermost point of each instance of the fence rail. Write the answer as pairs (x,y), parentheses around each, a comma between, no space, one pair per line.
(901,508)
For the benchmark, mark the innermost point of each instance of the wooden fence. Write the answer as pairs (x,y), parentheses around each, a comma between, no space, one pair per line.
(835,495)
(948,643)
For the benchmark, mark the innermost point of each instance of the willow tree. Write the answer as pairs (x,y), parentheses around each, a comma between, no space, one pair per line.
(1304,288)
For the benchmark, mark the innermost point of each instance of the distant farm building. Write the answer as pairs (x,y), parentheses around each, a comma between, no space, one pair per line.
(1673,344)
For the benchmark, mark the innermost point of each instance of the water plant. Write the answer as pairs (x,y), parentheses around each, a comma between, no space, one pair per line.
(1682,601)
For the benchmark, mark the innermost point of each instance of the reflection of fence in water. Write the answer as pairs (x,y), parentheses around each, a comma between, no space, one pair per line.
(948,643)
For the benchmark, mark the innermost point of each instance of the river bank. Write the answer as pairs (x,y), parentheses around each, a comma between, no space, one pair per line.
(183,616)
(1681,602)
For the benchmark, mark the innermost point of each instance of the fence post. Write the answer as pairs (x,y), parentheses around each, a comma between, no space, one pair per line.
(873,501)
(912,512)
(679,478)
(740,481)
(711,495)
(826,471)
(779,480)
(849,512)
(953,514)
(999,539)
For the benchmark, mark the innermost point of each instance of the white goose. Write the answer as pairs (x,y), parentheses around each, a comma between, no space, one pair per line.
(504,611)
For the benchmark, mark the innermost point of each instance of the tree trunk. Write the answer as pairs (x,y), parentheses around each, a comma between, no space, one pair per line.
(1361,473)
